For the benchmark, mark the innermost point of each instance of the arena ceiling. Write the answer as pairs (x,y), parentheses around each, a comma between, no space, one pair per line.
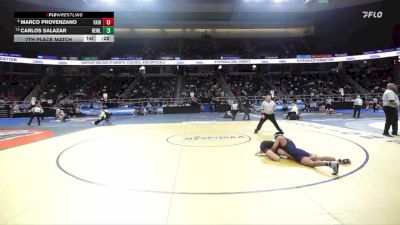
(227,18)
(205,6)
(195,13)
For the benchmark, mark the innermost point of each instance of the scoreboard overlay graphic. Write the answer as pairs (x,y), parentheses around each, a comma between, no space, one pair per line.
(64,26)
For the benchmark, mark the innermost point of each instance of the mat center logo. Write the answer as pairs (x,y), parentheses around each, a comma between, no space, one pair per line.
(208,139)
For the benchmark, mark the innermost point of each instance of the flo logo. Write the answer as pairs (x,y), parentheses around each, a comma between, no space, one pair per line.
(208,139)
(372,14)
(13,138)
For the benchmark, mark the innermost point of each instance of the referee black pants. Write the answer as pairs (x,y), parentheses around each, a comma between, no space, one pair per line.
(357,109)
(37,115)
(392,119)
(234,112)
(268,117)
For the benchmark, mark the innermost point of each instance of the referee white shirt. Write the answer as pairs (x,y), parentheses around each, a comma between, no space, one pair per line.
(234,106)
(37,109)
(390,95)
(358,102)
(268,107)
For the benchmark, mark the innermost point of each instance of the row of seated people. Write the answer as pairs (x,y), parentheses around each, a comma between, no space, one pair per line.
(59,86)
(373,79)
(245,85)
(16,87)
(319,84)
(204,87)
(154,87)
(113,86)
(201,48)
(143,48)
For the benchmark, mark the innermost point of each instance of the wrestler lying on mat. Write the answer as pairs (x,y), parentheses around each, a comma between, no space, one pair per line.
(284,147)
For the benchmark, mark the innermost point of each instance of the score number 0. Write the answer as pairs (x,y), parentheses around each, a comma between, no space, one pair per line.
(108,21)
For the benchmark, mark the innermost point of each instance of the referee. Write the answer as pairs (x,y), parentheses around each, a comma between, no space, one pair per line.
(267,113)
(391,109)
(375,104)
(36,112)
(234,109)
(358,102)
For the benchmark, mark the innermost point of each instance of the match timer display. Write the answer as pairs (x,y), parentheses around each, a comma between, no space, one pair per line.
(64,26)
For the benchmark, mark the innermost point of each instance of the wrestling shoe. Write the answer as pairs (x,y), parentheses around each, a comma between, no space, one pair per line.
(335,167)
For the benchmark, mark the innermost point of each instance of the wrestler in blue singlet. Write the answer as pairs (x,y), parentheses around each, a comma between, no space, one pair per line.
(296,153)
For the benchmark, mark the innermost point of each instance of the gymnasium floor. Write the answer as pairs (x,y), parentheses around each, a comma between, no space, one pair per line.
(196,169)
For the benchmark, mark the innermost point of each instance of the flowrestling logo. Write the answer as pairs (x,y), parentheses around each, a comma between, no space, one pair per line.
(209,139)
(372,14)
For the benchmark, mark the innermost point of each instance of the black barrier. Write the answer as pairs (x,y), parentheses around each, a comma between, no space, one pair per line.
(342,105)
(181,109)
(222,108)
(47,113)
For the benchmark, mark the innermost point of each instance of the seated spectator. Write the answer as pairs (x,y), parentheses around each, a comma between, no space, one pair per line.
(293,113)
(103,115)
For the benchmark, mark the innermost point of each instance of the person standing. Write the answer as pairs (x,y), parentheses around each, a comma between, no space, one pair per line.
(36,112)
(267,113)
(246,109)
(358,102)
(375,104)
(234,109)
(41,114)
(391,109)
(328,103)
